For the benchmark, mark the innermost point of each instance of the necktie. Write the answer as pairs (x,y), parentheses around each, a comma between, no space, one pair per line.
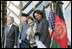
(21,30)
(8,28)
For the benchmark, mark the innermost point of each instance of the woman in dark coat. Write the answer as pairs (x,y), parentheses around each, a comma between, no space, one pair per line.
(42,28)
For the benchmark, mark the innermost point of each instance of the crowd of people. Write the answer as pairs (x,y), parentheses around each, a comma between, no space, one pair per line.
(33,31)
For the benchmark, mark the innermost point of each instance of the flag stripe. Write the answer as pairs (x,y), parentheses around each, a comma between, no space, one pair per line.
(55,45)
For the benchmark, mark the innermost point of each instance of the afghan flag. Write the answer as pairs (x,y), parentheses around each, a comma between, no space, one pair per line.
(60,39)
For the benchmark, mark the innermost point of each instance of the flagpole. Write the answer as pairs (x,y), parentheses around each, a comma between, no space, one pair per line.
(50,25)
(43,2)
(34,6)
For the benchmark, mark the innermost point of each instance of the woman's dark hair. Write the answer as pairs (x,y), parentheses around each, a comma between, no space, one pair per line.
(30,18)
(39,12)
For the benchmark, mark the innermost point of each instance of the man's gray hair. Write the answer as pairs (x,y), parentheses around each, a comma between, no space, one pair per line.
(11,18)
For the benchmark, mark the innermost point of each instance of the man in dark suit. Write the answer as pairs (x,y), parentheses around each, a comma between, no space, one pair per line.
(10,34)
(42,28)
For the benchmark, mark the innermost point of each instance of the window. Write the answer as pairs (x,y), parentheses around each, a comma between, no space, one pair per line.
(14,9)
(30,6)
(16,3)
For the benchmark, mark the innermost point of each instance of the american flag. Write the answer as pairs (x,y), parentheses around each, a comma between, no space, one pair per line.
(52,21)
(52,18)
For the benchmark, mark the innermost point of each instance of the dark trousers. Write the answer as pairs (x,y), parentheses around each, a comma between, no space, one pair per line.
(25,44)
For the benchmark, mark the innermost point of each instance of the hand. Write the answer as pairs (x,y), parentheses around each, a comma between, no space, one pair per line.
(20,41)
(15,46)
(28,33)
(36,32)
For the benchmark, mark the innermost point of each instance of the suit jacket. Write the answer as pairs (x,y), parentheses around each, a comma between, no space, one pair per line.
(11,37)
(44,35)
